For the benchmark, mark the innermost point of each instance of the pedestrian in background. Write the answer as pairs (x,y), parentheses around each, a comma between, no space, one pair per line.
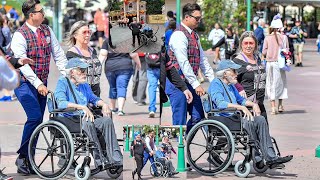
(99,21)
(135,28)
(231,43)
(215,35)
(259,34)
(37,42)
(298,34)
(140,81)
(276,82)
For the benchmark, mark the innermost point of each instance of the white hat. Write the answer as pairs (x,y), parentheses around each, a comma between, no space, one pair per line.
(276,22)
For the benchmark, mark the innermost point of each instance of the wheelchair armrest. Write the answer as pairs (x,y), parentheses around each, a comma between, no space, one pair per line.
(65,110)
(224,110)
(120,140)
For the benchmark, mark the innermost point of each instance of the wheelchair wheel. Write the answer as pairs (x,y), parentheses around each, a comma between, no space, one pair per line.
(205,138)
(114,172)
(144,39)
(159,169)
(242,170)
(82,173)
(49,142)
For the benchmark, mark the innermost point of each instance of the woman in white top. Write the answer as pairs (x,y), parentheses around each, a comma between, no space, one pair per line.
(215,36)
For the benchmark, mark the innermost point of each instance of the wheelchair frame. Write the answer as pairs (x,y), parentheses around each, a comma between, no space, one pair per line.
(162,169)
(65,145)
(237,141)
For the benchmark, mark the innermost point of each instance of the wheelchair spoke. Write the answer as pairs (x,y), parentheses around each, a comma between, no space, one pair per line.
(200,156)
(52,163)
(43,149)
(45,138)
(217,155)
(203,132)
(224,143)
(60,154)
(43,161)
(198,144)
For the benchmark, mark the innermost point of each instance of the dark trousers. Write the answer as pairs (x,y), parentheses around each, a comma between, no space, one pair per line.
(34,106)
(134,39)
(139,162)
(140,82)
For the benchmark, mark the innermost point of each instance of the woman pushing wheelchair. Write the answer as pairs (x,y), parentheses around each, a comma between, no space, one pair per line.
(225,95)
(74,92)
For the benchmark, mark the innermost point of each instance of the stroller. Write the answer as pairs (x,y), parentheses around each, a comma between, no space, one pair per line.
(148,35)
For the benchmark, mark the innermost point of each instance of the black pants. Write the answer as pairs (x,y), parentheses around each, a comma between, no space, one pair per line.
(139,161)
(134,39)
(96,89)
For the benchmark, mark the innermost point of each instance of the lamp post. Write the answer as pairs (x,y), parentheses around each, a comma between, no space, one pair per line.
(178,10)
(248,14)
(181,159)
(127,139)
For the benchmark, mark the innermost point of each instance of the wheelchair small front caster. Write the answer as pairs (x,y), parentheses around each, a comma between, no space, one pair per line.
(242,170)
(82,173)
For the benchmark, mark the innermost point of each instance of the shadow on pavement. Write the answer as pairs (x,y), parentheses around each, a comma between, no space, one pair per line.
(294,112)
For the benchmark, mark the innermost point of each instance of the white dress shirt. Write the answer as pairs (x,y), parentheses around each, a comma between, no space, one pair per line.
(148,144)
(8,77)
(19,48)
(179,45)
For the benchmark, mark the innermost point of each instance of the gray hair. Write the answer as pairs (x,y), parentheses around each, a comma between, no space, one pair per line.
(220,73)
(71,40)
(245,35)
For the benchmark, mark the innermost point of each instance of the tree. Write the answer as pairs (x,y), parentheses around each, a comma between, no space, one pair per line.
(154,6)
(213,12)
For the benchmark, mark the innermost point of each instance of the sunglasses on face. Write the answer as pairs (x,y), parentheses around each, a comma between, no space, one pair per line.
(197,18)
(86,32)
(246,43)
(83,70)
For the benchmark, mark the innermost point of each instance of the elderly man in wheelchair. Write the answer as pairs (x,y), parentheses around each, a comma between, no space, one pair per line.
(76,130)
(230,128)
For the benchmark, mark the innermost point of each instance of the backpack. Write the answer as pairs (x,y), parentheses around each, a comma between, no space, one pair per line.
(153,59)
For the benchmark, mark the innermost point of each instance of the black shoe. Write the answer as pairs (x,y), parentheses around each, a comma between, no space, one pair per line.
(133,174)
(113,46)
(298,65)
(22,165)
(4,176)
(139,178)
(286,158)
(260,164)
(301,65)
(279,160)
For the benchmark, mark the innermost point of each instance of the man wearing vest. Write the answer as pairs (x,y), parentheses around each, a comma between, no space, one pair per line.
(187,56)
(149,155)
(37,42)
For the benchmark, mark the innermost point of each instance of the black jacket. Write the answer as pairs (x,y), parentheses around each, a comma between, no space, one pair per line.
(138,147)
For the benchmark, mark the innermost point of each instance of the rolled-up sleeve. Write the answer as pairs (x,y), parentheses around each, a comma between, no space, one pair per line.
(205,66)
(61,94)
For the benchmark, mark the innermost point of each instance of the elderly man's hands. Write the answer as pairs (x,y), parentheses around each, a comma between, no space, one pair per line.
(256,110)
(188,95)
(106,110)
(247,114)
(87,114)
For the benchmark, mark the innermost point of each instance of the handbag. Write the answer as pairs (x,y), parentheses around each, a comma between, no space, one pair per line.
(282,59)
(153,60)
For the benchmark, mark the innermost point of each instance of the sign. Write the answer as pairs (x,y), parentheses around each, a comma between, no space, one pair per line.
(157,19)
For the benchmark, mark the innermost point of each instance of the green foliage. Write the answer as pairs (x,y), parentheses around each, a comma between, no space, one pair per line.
(213,12)
(115,5)
(205,44)
(154,6)
(240,17)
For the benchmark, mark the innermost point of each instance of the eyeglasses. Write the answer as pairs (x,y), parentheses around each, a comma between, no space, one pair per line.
(40,11)
(246,43)
(197,18)
(87,32)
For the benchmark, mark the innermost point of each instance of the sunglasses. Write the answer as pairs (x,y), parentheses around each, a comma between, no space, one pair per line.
(40,11)
(87,32)
(197,18)
(83,70)
(246,43)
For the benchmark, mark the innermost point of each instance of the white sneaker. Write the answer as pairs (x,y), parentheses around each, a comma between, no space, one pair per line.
(121,113)
(151,114)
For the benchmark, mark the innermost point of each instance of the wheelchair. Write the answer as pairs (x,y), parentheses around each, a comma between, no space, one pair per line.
(56,146)
(147,35)
(162,170)
(220,142)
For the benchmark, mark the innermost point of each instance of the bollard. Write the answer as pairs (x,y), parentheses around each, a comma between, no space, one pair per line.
(132,138)
(127,140)
(318,151)
(181,159)
(157,136)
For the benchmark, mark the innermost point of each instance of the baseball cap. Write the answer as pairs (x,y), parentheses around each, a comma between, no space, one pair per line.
(76,63)
(227,64)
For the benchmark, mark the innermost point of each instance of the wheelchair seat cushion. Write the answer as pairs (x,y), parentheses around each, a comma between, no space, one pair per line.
(72,123)
(233,122)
